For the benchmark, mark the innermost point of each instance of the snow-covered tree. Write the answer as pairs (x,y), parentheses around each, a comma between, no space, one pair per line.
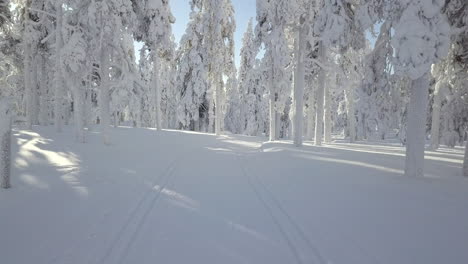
(272,18)
(218,26)
(247,82)
(338,27)
(154,28)
(421,39)
(192,74)
(375,105)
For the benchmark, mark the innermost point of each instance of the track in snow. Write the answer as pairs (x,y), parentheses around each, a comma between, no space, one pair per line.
(277,212)
(138,216)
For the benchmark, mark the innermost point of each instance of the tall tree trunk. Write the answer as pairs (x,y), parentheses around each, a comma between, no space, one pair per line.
(34,85)
(43,104)
(104,97)
(218,106)
(320,99)
(28,87)
(349,94)
(327,116)
(5,144)
(415,136)
(435,127)
(157,89)
(58,93)
(299,90)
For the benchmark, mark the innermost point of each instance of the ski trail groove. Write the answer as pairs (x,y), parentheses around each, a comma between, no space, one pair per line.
(255,181)
(280,227)
(139,207)
(143,219)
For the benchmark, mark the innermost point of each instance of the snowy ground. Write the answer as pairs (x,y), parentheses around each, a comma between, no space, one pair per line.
(178,197)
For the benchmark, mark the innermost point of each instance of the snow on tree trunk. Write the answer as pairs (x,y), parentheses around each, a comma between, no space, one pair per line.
(435,128)
(277,125)
(349,94)
(416,127)
(272,119)
(218,107)
(311,117)
(28,87)
(35,96)
(5,143)
(58,93)
(104,98)
(43,104)
(299,90)
(320,99)
(79,113)
(157,90)
(327,115)
(465,162)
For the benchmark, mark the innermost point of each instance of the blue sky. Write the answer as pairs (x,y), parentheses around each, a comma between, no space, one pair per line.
(245,9)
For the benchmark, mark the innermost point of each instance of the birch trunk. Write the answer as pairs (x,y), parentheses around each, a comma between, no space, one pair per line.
(435,127)
(299,91)
(415,136)
(58,93)
(320,99)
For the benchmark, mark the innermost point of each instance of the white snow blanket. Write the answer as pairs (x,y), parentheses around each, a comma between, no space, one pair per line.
(179,197)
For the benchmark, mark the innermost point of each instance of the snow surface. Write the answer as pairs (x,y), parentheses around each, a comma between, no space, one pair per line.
(180,197)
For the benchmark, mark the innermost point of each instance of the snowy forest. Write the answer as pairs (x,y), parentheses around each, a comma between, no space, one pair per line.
(313,76)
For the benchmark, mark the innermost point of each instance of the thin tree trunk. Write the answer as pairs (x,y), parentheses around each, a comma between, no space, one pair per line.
(327,116)
(272,118)
(79,112)
(58,93)
(465,161)
(104,97)
(435,127)
(415,135)
(43,105)
(349,94)
(218,107)
(28,87)
(157,90)
(34,85)
(299,91)
(320,99)
(310,122)
(278,125)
